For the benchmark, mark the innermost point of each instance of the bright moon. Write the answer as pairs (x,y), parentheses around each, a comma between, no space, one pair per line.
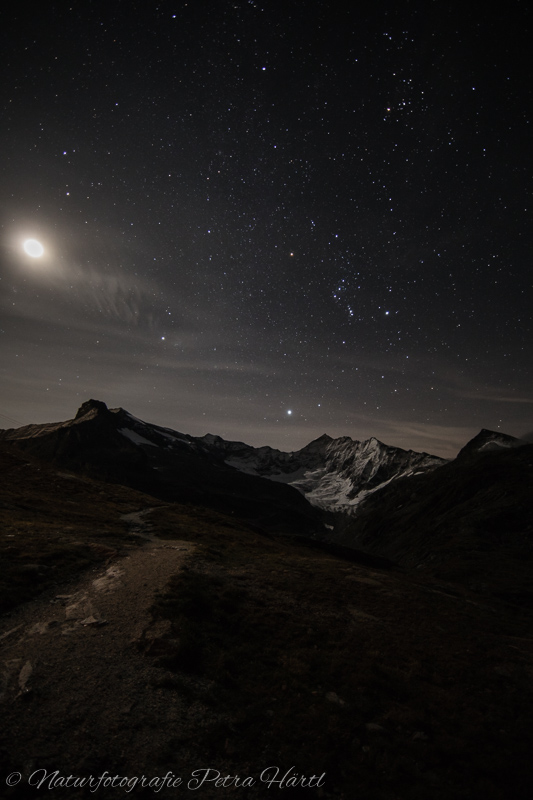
(33,248)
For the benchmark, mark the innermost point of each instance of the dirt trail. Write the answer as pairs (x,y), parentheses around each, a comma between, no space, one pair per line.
(73,674)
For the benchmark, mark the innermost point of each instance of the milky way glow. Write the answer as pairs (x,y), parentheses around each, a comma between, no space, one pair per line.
(33,248)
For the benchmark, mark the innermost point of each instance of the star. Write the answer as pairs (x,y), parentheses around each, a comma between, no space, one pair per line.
(271,271)
(33,248)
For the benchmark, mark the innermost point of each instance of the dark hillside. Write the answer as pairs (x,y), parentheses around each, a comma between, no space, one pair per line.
(262,652)
(94,444)
(470,521)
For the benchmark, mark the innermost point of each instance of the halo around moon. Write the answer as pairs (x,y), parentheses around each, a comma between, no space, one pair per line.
(33,248)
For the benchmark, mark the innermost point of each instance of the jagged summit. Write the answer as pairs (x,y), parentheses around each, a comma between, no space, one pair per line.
(324,439)
(332,474)
(90,406)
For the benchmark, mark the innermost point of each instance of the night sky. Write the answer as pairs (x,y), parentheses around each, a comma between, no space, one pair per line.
(269,220)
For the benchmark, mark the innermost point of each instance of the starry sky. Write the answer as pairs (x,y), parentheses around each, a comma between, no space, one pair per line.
(269,220)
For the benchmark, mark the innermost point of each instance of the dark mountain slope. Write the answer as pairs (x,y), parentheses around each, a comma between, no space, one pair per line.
(111,445)
(487,441)
(470,520)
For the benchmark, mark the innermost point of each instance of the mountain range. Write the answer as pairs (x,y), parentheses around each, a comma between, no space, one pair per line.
(415,509)
(331,474)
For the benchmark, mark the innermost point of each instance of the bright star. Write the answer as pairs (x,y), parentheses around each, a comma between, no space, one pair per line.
(33,248)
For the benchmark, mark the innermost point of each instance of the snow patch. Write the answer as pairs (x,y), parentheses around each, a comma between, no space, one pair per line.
(332,474)
(168,433)
(495,445)
(134,437)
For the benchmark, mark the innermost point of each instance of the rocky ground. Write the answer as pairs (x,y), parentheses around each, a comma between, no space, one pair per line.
(72,673)
(179,641)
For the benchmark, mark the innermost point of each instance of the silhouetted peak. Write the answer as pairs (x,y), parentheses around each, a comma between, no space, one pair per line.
(91,405)
(489,440)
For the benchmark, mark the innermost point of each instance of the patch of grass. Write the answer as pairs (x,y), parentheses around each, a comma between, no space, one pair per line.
(367,675)
(303,681)
(54,525)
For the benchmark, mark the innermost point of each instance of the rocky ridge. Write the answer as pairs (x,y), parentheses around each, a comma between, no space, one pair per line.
(332,474)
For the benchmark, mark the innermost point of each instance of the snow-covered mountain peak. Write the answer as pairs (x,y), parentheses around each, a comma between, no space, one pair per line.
(319,445)
(334,474)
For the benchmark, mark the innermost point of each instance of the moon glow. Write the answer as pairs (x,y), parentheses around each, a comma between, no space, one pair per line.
(33,248)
